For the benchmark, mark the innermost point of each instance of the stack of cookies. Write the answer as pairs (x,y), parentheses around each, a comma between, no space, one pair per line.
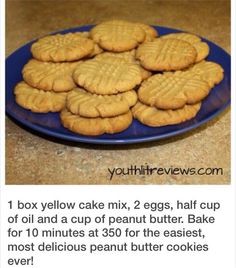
(48,75)
(100,80)
(182,79)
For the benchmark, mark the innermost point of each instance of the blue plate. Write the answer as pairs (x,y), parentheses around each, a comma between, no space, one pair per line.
(49,123)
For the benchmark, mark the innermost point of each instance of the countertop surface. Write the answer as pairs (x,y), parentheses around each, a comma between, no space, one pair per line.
(38,159)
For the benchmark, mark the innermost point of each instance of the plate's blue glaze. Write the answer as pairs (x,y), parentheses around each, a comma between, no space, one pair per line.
(49,123)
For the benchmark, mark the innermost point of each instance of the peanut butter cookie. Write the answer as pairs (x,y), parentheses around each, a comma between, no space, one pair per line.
(209,71)
(150,32)
(172,90)
(39,101)
(95,126)
(166,54)
(202,48)
(86,104)
(50,75)
(154,117)
(62,47)
(107,76)
(117,35)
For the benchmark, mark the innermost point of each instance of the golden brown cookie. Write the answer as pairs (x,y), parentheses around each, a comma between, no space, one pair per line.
(154,117)
(97,49)
(166,54)
(107,76)
(62,47)
(202,48)
(150,32)
(50,75)
(209,71)
(95,126)
(87,104)
(39,101)
(117,35)
(128,56)
(144,73)
(172,90)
